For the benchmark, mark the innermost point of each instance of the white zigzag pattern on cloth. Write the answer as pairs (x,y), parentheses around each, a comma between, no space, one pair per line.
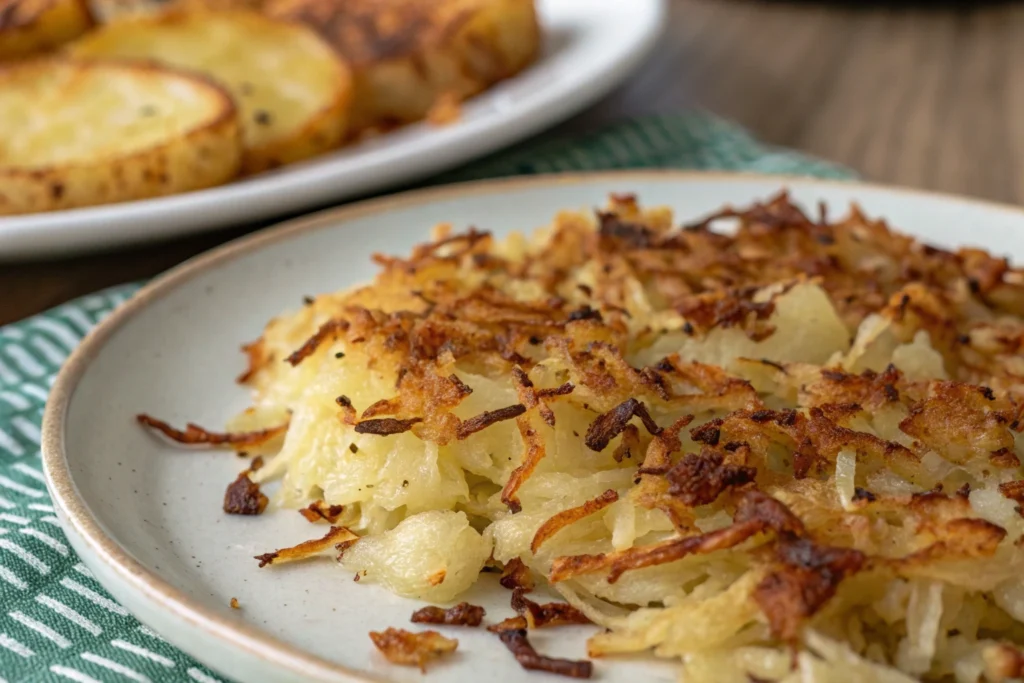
(28,357)
(72,674)
(48,540)
(41,628)
(143,652)
(14,646)
(70,614)
(93,597)
(12,578)
(115,667)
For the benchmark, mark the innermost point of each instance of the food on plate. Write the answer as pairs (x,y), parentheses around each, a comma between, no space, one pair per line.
(547,614)
(533,615)
(292,91)
(194,435)
(31,26)
(518,643)
(318,512)
(336,538)
(301,78)
(79,134)
(412,649)
(462,614)
(435,555)
(769,445)
(409,57)
(108,11)
(243,495)
(515,574)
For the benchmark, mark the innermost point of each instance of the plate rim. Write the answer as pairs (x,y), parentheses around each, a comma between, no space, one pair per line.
(91,229)
(256,643)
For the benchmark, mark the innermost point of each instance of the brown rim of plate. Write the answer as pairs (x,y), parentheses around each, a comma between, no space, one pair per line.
(230,631)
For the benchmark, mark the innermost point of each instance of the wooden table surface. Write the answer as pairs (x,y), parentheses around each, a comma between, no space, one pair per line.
(930,97)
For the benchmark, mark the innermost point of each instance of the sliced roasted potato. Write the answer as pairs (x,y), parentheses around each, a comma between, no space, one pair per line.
(30,26)
(74,134)
(107,11)
(407,55)
(292,90)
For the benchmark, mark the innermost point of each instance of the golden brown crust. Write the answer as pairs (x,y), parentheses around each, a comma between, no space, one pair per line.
(535,452)
(206,155)
(243,497)
(256,359)
(963,538)
(804,579)
(515,574)
(31,26)
(385,426)
(1013,490)
(281,124)
(547,614)
(318,511)
(663,445)
(629,444)
(370,31)
(412,58)
(962,420)
(757,512)
(510,623)
(519,645)
(337,537)
(412,649)
(608,426)
(700,479)
(531,397)
(567,517)
(487,418)
(462,614)
(331,328)
(194,435)
(790,489)
(17,14)
(324,131)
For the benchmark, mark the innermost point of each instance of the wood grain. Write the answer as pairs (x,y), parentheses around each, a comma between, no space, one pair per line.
(928,97)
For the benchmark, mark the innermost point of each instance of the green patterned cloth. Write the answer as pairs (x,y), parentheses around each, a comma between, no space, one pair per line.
(56,622)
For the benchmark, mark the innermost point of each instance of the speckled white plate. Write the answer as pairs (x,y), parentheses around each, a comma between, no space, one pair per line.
(146,517)
(589,47)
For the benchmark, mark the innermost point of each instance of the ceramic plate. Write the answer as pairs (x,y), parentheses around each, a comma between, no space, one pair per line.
(146,517)
(588,48)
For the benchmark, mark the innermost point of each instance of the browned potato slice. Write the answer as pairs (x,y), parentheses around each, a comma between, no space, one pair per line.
(407,55)
(76,134)
(292,90)
(30,26)
(107,11)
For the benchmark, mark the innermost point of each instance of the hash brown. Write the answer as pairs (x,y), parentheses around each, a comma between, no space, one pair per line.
(788,450)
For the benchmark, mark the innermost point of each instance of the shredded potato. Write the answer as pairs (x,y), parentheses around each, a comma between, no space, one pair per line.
(788,451)
(432,556)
